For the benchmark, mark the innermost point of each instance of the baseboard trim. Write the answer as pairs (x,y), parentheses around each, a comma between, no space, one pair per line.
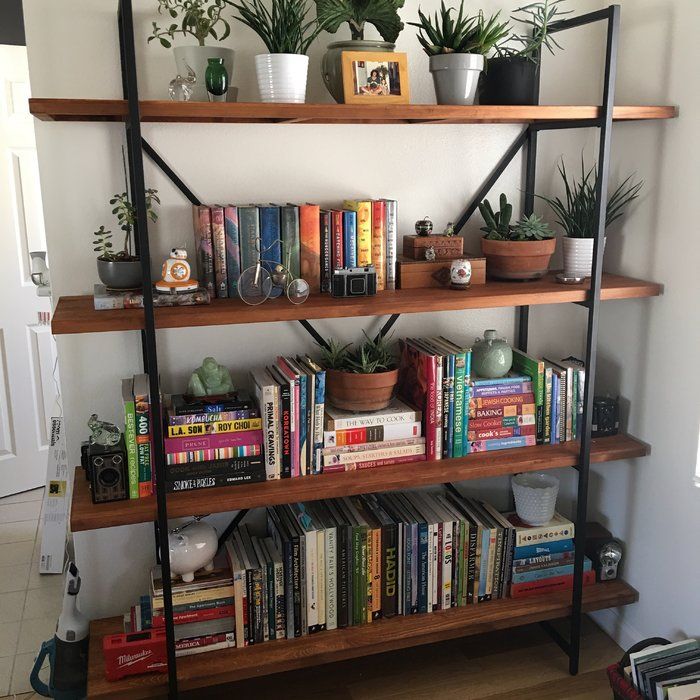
(614,626)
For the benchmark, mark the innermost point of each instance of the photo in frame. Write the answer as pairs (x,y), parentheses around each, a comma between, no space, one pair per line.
(373,77)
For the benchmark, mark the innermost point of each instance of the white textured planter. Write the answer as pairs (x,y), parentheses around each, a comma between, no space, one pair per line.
(535,497)
(196,58)
(456,76)
(578,256)
(282,76)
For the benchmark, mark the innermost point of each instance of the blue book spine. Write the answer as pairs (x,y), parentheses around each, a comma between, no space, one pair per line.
(451,406)
(318,420)
(350,238)
(423,567)
(509,378)
(501,443)
(467,397)
(233,250)
(484,565)
(561,557)
(270,249)
(524,387)
(534,550)
(550,572)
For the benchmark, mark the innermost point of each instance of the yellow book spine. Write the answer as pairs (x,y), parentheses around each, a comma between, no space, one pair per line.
(364,230)
(222,426)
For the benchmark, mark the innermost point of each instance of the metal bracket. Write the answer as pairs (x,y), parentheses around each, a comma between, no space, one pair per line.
(314,333)
(237,519)
(556,636)
(387,326)
(169,172)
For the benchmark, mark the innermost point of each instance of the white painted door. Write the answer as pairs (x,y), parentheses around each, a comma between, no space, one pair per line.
(27,389)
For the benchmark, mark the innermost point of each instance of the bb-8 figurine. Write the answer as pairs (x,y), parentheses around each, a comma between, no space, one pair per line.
(176,274)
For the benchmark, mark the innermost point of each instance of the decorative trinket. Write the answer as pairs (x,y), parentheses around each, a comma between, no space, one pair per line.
(102,432)
(424,227)
(176,274)
(210,379)
(449,229)
(192,547)
(460,274)
(430,253)
(181,89)
(492,357)
(216,79)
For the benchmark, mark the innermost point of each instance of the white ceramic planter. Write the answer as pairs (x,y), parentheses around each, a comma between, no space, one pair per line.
(282,76)
(456,76)
(196,58)
(535,497)
(578,256)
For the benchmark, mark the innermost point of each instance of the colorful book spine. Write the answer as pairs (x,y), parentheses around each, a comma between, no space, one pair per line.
(249,236)
(233,250)
(542,561)
(518,387)
(213,441)
(497,401)
(525,590)
(270,249)
(499,433)
(326,249)
(203,615)
(501,422)
(337,239)
(319,410)
(209,428)
(377,433)
(348,421)
(392,227)
(369,455)
(204,248)
(267,393)
(142,407)
(527,364)
(467,400)
(350,238)
(289,225)
(364,229)
(212,455)
(502,444)
(218,237)
(212,417)
(547,428)
(502,411)
(546,573)
(543,548)
(379,242)
(130,436)
(310,241)
(460,439)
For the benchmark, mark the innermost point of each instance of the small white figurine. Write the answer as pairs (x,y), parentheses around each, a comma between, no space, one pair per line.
(192,547)
(430,253)
(176,274)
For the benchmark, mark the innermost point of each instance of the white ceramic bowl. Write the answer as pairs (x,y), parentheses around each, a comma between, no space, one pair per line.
(535,497)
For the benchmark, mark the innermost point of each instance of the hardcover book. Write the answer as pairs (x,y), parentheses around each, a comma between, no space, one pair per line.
(270,249)
(350,238)
(392,226)
(142,408)
(204,248)
(249,236)
(218,234)
(289,216)
(364,229)
(379,242)
(310,241)
(233,250)
(130,436)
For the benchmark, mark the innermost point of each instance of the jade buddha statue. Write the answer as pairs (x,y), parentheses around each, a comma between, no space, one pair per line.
(210,379)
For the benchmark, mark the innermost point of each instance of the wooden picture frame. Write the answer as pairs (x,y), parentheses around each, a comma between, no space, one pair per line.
(375,77)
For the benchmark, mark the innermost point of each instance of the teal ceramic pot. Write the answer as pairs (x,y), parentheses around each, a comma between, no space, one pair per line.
(491,357)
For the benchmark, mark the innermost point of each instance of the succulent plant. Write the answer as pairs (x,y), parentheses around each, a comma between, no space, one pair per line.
(497,223)
(531,228)
(370,356)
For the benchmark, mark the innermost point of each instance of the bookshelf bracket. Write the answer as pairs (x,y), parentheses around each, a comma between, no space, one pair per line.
(314,333)
(169,172)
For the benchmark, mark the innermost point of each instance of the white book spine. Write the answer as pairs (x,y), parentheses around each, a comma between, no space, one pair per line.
(447,559)
(331,579)
(369,421)
(394,431)
(319,409)
(280,612)
(353,457)
(268,408)
(391,242)
(366,447)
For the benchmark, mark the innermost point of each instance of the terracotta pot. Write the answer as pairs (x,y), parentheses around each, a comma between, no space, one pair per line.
(517,260)
(361,392)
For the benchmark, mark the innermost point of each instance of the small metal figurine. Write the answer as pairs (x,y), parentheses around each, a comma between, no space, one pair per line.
(102,432)
(430,253)
(449,229)
(424,227)
(176,274)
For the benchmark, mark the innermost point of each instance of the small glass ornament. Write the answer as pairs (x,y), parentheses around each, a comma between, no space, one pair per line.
(216,79)
(180,88)
(102,432)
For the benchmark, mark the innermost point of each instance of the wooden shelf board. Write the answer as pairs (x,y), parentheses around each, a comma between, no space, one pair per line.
(85,515)
(48,109)
(398,632)
(76,314)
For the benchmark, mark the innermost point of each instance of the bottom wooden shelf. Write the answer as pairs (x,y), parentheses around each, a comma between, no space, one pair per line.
(399,632)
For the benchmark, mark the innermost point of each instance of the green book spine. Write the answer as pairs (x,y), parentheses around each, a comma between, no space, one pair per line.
(574,404)
(467,399)
(547,435)
(130,437)
(522,362)
(144,467)
(290,238)
(460,409)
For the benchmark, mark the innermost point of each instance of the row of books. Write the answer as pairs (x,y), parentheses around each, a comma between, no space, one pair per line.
(310,240)
(137,435)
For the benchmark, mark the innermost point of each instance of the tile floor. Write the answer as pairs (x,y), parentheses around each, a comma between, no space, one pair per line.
(29,602)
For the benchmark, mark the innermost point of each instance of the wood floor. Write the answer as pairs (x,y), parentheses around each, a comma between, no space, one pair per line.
(522,663)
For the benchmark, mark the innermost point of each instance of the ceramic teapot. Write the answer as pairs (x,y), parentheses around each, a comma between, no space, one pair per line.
(491,357)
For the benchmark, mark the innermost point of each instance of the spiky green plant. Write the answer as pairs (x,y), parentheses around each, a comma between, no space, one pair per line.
(198,18)
(576,213)
(334,354)
(531,228)
(383,14)
(497,226)
(442,34)
(369,357)
(283,28)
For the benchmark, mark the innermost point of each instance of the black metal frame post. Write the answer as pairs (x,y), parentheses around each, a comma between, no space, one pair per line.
(133,140)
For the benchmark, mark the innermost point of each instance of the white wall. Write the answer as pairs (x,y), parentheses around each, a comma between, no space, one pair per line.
(430,169)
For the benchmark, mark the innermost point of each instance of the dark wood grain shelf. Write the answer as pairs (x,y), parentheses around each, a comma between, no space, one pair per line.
(76,314)
(85,515)
(400,632)
(257,112)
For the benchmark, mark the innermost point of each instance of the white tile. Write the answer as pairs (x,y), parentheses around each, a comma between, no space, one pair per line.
(33,632)
(24,663)
(43,602)
(5,674)
(22,531)
(11,606)
(24,497)
(16,553)
(38,580)
(8,638)
(13,512)
(14,578)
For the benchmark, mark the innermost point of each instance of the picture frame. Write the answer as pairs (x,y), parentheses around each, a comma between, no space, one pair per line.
(375,77)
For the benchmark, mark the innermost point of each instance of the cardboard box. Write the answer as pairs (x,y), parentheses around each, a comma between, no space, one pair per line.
(421,274)
(446,247)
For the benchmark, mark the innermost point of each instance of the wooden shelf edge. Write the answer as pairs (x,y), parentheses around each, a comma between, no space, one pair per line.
(398,632)
(85,515)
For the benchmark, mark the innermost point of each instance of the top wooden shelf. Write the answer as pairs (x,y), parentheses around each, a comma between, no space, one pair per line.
(49,109)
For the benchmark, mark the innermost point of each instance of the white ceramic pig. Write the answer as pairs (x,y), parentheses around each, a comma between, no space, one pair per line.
(192,547)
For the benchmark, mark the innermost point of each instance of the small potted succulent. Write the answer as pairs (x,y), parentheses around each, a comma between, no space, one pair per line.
(382,14)
(512,75)
(576,214)
(363,378)
(202,20)
(287,34)
(515,252)
(456,47)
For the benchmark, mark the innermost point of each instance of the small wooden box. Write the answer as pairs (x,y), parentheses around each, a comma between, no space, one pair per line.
(446,247)
(419,274)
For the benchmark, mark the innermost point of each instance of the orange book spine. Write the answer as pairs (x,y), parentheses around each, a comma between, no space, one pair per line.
(379,242)
(310,240)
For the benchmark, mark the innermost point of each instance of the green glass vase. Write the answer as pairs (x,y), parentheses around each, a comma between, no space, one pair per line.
(216,79)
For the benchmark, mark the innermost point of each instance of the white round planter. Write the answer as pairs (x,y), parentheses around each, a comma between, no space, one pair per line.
(196,58)
(535,497)
(456,76)
(578,256)
(282,76)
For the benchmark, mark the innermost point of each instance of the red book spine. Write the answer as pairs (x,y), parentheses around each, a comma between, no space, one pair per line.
(197,642)
(495,433)
(213,441)
(219,249)
(337,239)
(430,365)
(180,618)
(508,400)
(547,585)
(371,464)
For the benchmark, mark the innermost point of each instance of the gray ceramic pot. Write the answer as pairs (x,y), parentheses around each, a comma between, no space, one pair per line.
(331,66)
(456,76)
(120,274)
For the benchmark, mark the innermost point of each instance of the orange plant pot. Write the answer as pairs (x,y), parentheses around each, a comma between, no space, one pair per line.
(518,260)
(361,392)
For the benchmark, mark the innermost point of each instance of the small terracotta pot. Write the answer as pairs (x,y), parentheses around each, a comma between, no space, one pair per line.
(517,260)
(361,392)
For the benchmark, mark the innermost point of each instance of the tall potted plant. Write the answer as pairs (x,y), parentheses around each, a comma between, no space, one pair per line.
(457,48)
(287,34)
(512,75)
(576,214)
(201,20)
(382,14)
(515,252)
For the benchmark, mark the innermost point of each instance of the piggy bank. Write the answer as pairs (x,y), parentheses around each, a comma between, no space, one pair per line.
(192,547)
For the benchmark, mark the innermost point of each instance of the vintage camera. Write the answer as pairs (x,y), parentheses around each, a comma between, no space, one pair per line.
(606,416)
(604,551)
(106,470)
(354,282)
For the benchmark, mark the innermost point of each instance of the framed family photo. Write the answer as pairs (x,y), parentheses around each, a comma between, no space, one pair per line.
(371,77)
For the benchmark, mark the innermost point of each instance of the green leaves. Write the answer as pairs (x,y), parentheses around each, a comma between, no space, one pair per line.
(531,228)
(382,14)
(368,357)
(198,18)
(498,226)
(102,244)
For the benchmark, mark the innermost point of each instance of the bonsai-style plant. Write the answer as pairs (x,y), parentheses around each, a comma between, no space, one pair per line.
(363,378)
(515,251)
(197,18)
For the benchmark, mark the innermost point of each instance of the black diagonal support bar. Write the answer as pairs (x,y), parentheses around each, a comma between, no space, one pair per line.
(387,326)
(314,333)
(556,636)
(237,519)
(167,170)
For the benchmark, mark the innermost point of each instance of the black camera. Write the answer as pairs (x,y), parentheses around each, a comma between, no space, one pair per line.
(106,470)
(354,282)
(606,416)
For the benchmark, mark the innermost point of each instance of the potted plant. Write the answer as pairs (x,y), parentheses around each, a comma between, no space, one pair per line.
(456,48)
(363,379)
(576,214)
(382,14)
(287,34)
(512,75)
(515,252)
(200,19)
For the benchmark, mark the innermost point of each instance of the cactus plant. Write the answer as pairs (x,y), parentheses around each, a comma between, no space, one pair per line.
(497,223)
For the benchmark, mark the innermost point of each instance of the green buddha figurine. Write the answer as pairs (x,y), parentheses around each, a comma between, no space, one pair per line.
(211,379)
